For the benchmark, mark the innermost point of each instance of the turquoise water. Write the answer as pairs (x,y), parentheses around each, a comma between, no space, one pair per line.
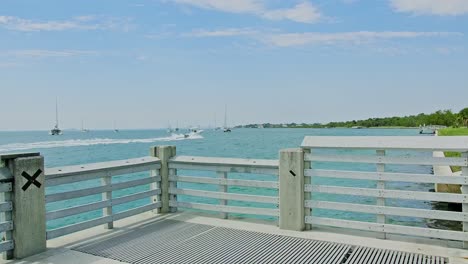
(75,147)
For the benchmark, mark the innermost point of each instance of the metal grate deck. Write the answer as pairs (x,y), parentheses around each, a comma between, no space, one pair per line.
(172,241)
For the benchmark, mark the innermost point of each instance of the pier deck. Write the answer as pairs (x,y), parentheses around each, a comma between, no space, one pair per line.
(194,238)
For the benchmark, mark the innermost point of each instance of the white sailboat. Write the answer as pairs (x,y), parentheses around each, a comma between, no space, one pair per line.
(226,129)
(56,130)
(84,130)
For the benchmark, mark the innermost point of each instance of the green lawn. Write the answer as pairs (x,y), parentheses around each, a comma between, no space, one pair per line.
(453,132)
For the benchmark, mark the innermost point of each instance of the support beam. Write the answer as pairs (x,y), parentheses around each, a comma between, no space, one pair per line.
(164,153)
(29,215)
(291,190)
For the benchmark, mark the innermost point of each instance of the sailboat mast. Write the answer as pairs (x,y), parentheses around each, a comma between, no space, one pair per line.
(225,116)
(56,113)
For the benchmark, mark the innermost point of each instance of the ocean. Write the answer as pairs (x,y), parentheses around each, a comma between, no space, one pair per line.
(76,147)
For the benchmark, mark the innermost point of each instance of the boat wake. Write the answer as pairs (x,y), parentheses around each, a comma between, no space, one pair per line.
(91,142)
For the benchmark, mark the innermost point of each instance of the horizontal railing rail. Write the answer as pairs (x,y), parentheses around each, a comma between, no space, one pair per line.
(317,185)
(223,166)
(56,177)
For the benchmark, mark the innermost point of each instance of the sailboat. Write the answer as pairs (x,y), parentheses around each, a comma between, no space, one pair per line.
(226,128)
(84,130)
(115,128)
(56,130)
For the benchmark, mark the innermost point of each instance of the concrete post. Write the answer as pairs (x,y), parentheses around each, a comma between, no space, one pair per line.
(29,214)
(464,190)
(164,153)
(223,189)
(107,196)
(291,189)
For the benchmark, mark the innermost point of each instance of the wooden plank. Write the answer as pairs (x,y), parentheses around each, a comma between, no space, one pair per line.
(5,174)
(389,228)
(85,176)
(135,211)
(231,162)
(226,196)
(223,189)
(227,209)
(224,168)
(6,226)
(395,194)
(6,206)
(109,166)
(458,144)
(50,198)
(58,232)
(387,210)
(98,190)
(19,155)
(6,187)
(136,196)
(386,176)
(6,245)
(389,159)
(381,186)
(464,190)
(77,210)
(228,182)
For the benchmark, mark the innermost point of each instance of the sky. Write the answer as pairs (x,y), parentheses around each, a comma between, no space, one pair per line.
(151,63)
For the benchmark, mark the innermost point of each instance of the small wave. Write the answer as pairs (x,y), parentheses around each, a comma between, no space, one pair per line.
(90,142)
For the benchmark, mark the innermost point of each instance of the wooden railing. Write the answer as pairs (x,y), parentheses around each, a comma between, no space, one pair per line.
(6,206)
(105,171)
(421,147)
(222,167)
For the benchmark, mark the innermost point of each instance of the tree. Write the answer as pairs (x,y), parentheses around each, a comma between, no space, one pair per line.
(463,114)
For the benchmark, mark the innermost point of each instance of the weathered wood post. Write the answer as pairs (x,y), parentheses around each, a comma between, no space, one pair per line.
(28,197)
(222,188)
(291,189)
(464,190)
(381,218)
(165,153)
(107,196)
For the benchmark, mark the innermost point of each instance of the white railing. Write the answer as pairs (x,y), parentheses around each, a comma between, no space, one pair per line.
(6,206)
(421,147)
(57,178)
(223,166)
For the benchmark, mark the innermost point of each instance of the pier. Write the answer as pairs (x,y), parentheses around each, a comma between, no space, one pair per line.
(285,227)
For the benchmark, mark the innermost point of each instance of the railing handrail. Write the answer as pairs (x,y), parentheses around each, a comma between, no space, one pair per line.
(458,144)
(215,161)
(65,171)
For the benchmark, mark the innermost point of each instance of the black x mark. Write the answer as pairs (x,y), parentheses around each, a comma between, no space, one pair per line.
(31,180)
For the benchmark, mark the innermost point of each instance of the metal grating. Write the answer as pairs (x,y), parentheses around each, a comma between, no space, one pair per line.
(172,241)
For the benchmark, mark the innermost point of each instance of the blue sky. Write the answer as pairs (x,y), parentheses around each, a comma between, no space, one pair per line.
(149,62)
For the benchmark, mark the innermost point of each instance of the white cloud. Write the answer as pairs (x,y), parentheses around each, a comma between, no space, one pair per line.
(431,7)
(76,23)
(230,32)
(354,38)
(40,53)
(303,12)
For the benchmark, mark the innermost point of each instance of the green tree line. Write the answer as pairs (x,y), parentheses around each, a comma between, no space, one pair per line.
(440,118)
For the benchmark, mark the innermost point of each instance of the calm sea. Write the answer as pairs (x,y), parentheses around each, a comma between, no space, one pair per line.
(75,147)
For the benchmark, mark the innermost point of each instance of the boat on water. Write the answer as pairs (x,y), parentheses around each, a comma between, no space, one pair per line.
(84,130)
(115,128)
(56,130)
(226,129)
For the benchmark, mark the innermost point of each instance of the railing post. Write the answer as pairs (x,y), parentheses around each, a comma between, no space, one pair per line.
(222,188)
(464,190)
(107,196)
(381,219)
(157,184)
(291,189)
(29,214)
(307,195)
(6,180)
(165,153)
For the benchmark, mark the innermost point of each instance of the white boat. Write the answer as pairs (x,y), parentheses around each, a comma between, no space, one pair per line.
(56,130)
(84,130)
